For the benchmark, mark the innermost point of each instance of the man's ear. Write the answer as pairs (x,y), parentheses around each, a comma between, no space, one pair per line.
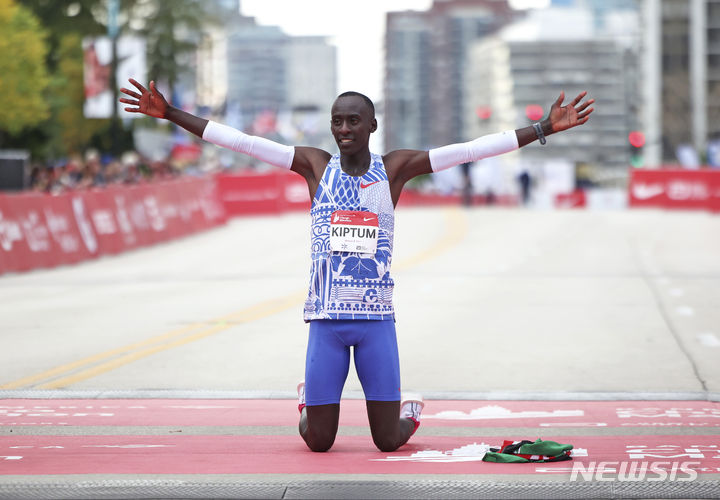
(373,125)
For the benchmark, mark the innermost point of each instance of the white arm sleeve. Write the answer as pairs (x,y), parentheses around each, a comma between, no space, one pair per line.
(482,147)
(257,147)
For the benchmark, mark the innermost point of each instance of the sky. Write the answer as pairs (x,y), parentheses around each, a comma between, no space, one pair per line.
(356,28)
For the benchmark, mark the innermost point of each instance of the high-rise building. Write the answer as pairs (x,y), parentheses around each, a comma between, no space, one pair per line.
(262,79)
(518,72)
(407,81)
(425,67)
(600,8)
(212,54)
(257,66)
(312,73)
(682,83)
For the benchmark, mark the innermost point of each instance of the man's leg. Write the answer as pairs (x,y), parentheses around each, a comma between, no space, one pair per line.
(319,436)
(326,368)
(389,431)
(378,367)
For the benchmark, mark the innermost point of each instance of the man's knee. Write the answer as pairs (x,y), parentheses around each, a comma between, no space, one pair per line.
(319,441)
(386,444)
(318,426)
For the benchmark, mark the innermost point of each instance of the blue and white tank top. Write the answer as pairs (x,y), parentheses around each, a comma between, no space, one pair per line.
(346,284)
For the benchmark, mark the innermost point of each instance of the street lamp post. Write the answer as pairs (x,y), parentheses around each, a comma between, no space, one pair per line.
(112,31)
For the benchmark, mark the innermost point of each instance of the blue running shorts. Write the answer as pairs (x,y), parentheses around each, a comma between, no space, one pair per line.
(328,360)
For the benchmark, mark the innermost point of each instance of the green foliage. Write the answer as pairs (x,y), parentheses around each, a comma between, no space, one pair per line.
(24,76)
(172,30)
(67,17)
(67,131)
(73,130)
(41,66)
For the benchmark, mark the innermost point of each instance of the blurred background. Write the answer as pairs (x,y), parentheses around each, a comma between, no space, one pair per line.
(439,71)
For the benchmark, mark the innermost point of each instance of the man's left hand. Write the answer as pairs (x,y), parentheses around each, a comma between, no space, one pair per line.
(571,115)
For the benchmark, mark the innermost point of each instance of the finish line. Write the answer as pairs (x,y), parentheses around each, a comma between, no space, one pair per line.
(245,448)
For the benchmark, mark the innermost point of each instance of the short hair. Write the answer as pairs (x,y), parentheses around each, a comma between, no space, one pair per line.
(368,102)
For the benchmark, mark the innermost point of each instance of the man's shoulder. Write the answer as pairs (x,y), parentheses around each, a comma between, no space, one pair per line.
(313,153)
(399,157)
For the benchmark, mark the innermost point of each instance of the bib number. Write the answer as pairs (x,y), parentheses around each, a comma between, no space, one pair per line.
(352,231)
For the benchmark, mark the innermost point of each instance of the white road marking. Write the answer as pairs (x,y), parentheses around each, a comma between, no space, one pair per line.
(685,311)
(708,339)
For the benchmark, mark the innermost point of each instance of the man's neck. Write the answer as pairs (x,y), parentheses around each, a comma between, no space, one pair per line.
(357,164)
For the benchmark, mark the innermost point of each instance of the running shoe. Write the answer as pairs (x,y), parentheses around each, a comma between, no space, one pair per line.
(411,407)
(301,396)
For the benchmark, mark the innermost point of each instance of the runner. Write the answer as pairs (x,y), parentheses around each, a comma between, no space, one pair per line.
(354,194)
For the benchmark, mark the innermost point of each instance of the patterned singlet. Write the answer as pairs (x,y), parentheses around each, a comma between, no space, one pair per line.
(351,285)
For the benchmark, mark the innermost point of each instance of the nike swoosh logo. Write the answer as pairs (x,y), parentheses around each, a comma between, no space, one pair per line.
(646,191)
(363,186)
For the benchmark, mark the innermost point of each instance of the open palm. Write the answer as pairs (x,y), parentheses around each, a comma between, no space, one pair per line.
(148,102)
(573,114)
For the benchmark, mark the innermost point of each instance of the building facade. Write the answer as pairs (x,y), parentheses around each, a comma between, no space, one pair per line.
(519,71)
(261,80)
(681,97)
(407,89)
(425,55)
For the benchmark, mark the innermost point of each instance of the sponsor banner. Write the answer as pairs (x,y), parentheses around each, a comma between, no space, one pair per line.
(573,199)
(279,191)
(38,230)
(97,72)
(675,189)
(99,208)
(25,238)
(413,198)
(295,194)
(271,192)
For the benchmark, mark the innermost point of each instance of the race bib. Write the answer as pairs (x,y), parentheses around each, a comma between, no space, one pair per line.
(352,231)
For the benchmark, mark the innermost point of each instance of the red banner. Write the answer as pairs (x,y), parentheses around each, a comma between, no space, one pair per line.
(267,193)
(575,199)
(38,230)
(675,189)
(278,191)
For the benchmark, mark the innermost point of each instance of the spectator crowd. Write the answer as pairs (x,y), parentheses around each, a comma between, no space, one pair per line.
(92,170)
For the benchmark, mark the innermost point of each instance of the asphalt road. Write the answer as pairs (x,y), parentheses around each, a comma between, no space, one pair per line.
(495,302)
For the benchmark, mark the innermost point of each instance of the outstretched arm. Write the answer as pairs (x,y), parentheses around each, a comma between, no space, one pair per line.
(305,161)
(403,165)
(152,103)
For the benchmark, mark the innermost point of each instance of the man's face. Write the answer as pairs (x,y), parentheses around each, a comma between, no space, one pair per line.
(351,123)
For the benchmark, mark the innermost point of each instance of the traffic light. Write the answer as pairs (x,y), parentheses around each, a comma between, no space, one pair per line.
(637,141)
(534,112)
(483,112)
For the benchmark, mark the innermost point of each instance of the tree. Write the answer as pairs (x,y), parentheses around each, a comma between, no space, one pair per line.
(59,19)
(67,131)
(172,31)
(22,66)
(72,131)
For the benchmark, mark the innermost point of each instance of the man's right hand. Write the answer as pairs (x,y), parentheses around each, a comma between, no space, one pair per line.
(149,102)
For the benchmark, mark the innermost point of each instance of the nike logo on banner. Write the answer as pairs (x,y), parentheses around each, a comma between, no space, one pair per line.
(363,186)
(646,191)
